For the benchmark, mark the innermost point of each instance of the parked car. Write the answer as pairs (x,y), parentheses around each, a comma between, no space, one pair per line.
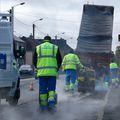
(26,71)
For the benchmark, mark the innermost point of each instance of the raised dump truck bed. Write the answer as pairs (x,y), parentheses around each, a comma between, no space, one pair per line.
(95,35)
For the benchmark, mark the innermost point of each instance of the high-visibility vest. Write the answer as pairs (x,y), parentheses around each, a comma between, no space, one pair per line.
(113,65)
(70,61)
(46,59)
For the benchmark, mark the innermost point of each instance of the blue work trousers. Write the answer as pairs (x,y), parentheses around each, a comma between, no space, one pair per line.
(107,78)
(114,73)
(46,84)
(71,76)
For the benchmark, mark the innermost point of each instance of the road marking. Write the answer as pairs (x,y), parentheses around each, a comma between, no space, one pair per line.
(101,113)
(84,96)
(77,100)
(27,102)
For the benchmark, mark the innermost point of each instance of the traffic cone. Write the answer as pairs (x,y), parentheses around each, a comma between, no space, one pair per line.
(31,86)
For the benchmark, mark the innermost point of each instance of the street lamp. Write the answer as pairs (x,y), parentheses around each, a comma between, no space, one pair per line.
(19,4)
(37,20)
(33,26)
(12,13)
(12,17)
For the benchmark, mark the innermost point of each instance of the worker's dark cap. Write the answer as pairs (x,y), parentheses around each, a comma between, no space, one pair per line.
(71,51)
(47,38)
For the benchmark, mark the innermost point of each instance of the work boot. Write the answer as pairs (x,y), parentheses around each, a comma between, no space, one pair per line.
(43,108)
(51,106)
(71,91)
(72,88)
(67,88)
(106,84)
(51,100)
(43,102)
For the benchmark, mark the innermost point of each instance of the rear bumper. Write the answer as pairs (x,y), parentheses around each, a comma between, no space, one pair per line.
(8,83)
(7,78)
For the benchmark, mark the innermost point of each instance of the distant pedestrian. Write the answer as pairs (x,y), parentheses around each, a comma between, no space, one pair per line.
(106,76)
(100,72)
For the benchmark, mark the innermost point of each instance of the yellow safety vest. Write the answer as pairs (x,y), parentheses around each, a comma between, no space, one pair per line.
(113,65)
(70,61)
(46,59)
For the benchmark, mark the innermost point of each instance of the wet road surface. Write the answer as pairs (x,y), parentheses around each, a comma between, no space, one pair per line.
(70,107)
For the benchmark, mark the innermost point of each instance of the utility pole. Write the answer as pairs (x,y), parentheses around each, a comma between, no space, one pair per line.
(33,31)
(33,27)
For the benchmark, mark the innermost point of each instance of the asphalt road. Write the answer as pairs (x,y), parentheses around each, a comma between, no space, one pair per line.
(70,107)
(112,108)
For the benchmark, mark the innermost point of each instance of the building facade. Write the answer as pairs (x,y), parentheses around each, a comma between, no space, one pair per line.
(30,47)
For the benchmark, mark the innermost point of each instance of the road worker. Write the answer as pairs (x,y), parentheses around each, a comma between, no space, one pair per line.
(70,64)
(106,76)
(47,60)
(114,72)
(100,72)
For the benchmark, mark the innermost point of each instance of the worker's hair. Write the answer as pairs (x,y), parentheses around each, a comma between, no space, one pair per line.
(112,60)
(47,38)
(71,51)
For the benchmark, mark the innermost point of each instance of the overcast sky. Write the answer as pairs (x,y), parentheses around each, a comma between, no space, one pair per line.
(58,16)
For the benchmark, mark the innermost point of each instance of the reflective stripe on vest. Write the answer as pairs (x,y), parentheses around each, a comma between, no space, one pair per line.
(69,62)
(47,56)
(51,67)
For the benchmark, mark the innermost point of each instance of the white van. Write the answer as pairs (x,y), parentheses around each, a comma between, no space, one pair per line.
(9,76)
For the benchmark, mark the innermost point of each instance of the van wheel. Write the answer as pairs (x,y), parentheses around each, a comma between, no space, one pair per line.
(17,93)
(13,101)
(56,98)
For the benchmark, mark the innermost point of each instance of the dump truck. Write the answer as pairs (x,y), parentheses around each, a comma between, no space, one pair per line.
(94,40)
(9,75)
